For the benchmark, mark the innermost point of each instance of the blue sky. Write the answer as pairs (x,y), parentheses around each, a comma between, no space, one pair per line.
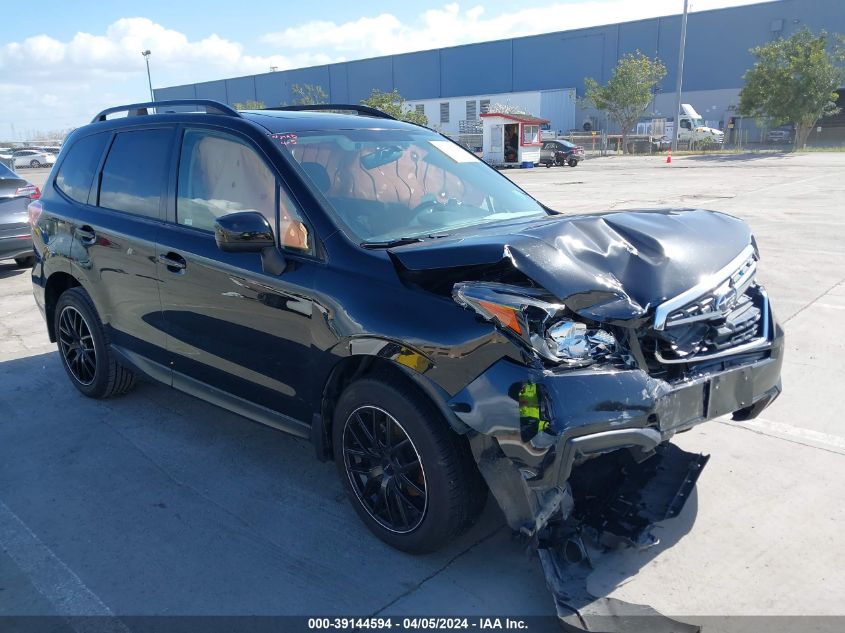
(61,62)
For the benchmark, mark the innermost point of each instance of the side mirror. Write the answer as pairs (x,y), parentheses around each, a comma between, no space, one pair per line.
(243,232)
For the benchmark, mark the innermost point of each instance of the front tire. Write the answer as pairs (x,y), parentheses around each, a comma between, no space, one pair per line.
(34,163)
(410,477)
(84,348)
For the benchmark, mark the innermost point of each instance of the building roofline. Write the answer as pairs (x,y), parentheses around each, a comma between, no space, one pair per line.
(457,46)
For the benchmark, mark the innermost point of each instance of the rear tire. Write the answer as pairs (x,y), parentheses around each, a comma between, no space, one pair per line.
(417,469)
(573,162)
(25,262)
(34,163)
(84,348)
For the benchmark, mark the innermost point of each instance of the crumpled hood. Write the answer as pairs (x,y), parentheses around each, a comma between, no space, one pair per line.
(613,266)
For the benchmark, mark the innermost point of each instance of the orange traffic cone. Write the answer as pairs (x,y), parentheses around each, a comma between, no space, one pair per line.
(669,156)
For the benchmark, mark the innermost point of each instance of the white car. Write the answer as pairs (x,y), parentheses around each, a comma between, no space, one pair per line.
(33,158)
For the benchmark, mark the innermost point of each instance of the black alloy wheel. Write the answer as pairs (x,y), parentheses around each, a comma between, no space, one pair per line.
(384,469)
(410,478)
(84,347)
(77,345)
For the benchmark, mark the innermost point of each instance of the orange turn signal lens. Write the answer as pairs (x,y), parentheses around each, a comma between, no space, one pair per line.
(505,315)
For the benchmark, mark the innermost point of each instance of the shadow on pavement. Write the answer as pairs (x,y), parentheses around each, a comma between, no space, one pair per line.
(161,503)
(8,270)
(737,158)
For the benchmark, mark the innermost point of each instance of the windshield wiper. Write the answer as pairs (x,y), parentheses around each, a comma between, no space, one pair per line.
(401,241)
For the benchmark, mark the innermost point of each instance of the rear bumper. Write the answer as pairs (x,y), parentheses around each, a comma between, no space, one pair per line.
(14,246)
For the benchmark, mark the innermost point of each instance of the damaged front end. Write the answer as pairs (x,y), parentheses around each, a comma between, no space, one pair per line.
(631,333)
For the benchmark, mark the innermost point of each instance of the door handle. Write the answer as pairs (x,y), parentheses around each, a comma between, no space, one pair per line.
(175,263)
(86,234)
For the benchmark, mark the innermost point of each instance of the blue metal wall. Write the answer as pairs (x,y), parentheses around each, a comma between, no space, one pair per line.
(716,58)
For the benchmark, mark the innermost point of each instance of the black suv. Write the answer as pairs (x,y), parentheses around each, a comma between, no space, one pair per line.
(371,285)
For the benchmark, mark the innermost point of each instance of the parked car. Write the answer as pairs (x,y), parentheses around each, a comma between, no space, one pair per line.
(783,134)
(15,239)
(560,152)
(372,286)
(32,158)
(661,144)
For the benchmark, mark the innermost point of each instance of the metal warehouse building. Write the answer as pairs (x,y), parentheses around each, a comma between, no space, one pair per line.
(545,73)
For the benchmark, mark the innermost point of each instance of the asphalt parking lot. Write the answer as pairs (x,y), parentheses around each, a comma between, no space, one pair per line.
(157,503)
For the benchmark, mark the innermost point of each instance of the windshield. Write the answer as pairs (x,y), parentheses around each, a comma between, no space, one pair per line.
(388,185)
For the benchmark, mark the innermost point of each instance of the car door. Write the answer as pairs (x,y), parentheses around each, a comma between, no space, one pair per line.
(114,236)
(232,327)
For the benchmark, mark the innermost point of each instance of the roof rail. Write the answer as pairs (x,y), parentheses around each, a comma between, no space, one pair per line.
(141,109)
(360,109)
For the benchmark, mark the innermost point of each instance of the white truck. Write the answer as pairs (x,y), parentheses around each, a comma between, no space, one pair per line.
(693,128)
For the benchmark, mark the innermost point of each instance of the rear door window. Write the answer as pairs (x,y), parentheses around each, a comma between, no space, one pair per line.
(135,174)
(79,166)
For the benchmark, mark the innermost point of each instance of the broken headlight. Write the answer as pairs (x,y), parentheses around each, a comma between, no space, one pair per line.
(537,320)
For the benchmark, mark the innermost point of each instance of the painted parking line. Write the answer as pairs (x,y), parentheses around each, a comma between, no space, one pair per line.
(56,581)
(834,443)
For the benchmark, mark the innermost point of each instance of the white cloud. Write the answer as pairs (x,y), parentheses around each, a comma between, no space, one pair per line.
(51,84)
(451,25)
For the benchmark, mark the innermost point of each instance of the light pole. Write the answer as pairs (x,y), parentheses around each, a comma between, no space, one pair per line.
(146,55)
(680,82)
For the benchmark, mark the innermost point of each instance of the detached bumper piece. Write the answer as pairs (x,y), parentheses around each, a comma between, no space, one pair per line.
(617,501)
(620,499)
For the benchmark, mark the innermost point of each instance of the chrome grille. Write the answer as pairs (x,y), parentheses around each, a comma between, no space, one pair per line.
(728,317)
(720,301)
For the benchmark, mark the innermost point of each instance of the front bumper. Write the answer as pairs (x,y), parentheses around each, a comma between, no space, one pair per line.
(597,410)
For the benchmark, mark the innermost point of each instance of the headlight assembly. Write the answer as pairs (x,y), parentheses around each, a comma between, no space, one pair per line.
(537,320)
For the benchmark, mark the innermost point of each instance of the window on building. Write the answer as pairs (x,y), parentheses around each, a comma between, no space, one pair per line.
(484,104)
(135,173)
(444,112)
(472,111)
(78,168)
(420,108)
(530,134)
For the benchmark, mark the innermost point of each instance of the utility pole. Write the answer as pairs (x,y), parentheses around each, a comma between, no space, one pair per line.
(679,84)
(146,55)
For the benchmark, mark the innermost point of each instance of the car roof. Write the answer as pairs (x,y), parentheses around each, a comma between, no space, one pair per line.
(286,121)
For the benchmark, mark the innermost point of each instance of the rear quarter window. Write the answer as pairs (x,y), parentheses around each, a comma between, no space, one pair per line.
(79,166)
(135,172)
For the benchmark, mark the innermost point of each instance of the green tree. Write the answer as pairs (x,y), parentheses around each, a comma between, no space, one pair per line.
(794,80)
(308,94)
(628,93)
(393,103)
(249,105)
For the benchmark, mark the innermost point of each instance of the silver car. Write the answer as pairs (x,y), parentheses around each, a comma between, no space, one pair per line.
(32,158)
(15,237)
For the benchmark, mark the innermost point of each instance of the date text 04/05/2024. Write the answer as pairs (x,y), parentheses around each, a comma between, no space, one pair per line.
(413,624)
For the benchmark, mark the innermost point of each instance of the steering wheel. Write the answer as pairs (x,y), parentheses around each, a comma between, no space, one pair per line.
(424,211)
